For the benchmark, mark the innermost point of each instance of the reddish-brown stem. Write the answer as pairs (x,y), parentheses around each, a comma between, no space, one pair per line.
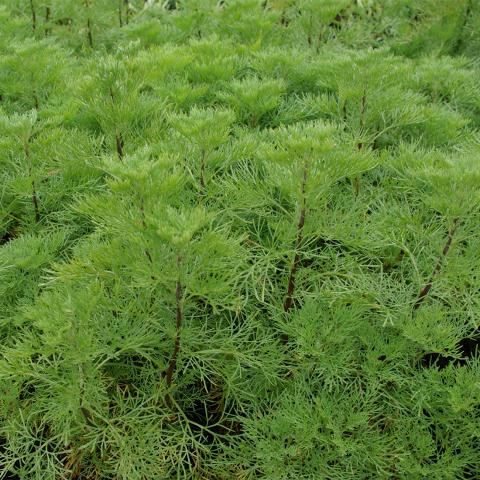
(179,320)
(35,202)
(144,225)
(87,415)
(47,19)
(363,106)
(120,21)
(344,112)
(36,207)
(298,243)
(459,40)
(356,185)
(119,144)
(202,174)
(89,24)
(319,40)
(34,16)
(89,33)
(127,11)
(428,286)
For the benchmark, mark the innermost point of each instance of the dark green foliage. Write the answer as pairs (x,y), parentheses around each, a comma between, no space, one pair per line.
(239,239)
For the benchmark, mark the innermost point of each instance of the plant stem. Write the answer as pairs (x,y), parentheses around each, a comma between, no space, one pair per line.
(89,24)
(119,145)
(344,112)
(127,11)
(144,224)
(179,320)
(87,415)
(89,33)
(35,202)
(428,286)
(458,43)
(363,106)
(120,22)
(298,243)
(34,16)
(202,173)
(26,150)
(47,19)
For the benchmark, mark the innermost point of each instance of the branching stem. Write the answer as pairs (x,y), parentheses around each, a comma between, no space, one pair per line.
(363,107)
(47,19)
(202,173)
(298,243)
(36,207)
(144,225)
(89,25)
(179,321)
(119,143)
(428,286)
(120,21)
(34,16)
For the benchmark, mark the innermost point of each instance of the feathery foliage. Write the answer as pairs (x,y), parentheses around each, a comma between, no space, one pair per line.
(239,239)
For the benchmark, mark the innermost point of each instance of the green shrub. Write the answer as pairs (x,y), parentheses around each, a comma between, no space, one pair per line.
(239,239)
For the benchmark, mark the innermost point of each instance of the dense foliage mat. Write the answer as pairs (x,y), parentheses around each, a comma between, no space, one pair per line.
(239,239)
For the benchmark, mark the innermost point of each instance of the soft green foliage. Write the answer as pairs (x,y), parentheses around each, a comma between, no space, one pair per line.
(239,239)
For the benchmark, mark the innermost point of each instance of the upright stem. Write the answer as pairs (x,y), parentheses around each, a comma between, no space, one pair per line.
(319,40)
(344,112)
(47,19)
(127,11)
(89,33)
(179,320)
(466,14)
(89,24)
(26,151)
(298,243)
(428,286)
(119,145)
(87,415)
(144,224)
(120,21)
(34,16)
(202,173)
(35,202)
(363,106)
